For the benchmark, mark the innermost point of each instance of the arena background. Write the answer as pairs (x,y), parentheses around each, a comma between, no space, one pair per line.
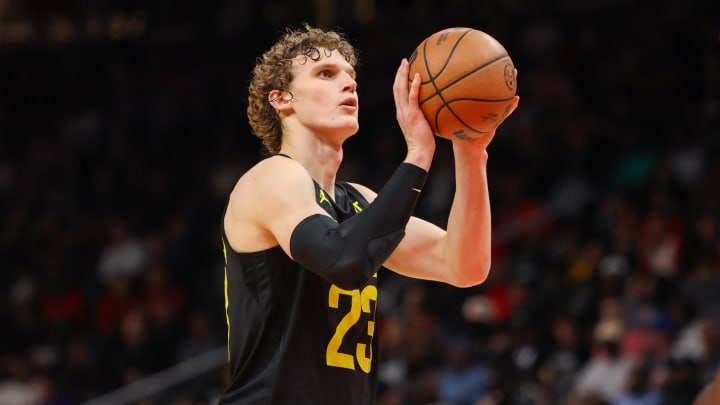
(123,129)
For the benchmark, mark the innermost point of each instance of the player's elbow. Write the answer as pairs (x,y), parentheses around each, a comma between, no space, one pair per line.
(470,275)
(349,275)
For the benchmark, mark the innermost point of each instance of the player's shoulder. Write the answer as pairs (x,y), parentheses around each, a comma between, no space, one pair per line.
(273,172)
(272,181)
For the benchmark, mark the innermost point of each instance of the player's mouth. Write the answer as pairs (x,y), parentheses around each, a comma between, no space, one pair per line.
(350,103)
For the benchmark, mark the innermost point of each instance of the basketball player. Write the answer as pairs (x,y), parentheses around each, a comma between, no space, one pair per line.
(303,250)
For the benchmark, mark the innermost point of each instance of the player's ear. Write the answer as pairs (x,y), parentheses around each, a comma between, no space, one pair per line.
(281,100)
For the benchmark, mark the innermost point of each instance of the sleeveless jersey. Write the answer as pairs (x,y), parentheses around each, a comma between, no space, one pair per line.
(293,337)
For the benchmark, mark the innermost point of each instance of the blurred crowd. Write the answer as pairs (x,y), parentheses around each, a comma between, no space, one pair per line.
(117,157)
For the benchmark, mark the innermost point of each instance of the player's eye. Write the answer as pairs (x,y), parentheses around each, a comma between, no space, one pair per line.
(326,73)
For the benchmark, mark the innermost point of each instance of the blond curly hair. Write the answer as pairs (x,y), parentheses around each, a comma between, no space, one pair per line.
(272,71)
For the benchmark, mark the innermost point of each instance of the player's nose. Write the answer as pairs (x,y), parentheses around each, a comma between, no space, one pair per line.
(350,84)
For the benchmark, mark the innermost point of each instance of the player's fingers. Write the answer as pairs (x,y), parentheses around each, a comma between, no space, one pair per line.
(414,88)
(400,86)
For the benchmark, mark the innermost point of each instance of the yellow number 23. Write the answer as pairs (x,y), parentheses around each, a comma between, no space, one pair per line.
(360,303)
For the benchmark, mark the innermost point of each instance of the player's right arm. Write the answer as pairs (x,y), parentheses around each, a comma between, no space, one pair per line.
(274,204)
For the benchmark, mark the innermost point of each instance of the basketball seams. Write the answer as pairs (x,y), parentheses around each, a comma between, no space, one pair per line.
(497,100)
(447,59)
(438,90)
(460,120)
(431,78)
(470,72)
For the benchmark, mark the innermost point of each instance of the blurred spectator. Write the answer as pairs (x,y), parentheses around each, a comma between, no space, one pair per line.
(701,254)
(421,344)
(163,304)
(116,300)
(605,374)
(23,315)
(639,389)
(16,385)
(161,297)
(462,380)
(683,384)
(200,337)
(710,338)
(62,304)
(131,353)
(563,359)
(79,374)
(392,371)
(699,341)
(49,393)
(123,255)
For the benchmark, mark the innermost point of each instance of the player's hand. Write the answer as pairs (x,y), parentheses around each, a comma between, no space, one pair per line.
(415,128)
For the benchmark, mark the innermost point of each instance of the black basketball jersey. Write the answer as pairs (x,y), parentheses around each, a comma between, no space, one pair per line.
(293,337)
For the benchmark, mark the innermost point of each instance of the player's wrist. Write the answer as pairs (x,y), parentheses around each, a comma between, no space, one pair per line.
(476,146)
(421,157)
(468,154)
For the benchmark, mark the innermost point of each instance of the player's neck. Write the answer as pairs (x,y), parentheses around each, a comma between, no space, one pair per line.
(320,159)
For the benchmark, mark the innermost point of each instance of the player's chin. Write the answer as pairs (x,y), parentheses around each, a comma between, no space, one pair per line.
(342,130)
(353,131)
(351,125)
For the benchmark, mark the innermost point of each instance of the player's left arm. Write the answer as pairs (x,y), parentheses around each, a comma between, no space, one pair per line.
(460,255)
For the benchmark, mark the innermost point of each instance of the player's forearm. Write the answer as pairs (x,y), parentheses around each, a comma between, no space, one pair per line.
(469,224)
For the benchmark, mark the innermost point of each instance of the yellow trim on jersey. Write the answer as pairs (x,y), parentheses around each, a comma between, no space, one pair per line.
(227,301)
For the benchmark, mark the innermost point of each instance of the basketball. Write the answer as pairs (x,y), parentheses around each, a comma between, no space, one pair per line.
(468,82)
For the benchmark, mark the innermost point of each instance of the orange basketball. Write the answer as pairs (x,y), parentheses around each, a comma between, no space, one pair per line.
(468,82)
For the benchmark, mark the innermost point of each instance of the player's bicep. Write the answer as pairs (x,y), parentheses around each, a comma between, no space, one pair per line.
(268,202)
(287,205)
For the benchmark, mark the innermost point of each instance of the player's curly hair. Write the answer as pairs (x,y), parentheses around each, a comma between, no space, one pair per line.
(272,72)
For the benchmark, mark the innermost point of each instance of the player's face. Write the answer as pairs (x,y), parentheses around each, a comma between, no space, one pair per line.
(325,94)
